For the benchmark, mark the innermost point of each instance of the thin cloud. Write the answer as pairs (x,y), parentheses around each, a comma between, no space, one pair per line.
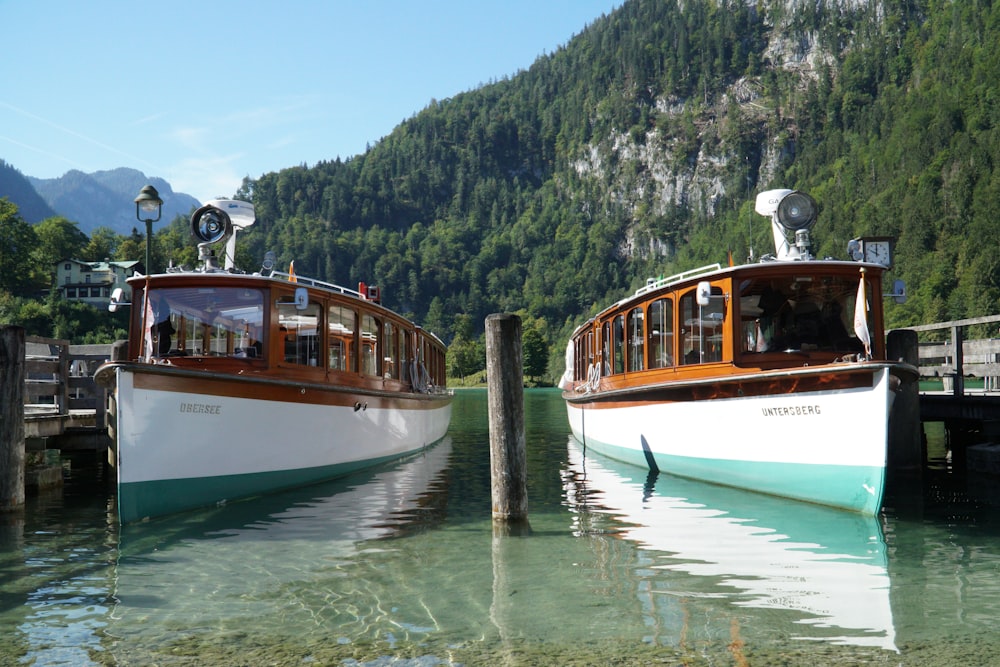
(42,151)
(145,120)
(74,133)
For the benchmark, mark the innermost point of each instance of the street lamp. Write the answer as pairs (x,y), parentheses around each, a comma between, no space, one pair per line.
(146,204)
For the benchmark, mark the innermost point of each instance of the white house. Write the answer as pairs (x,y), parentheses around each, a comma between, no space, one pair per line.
(92,282)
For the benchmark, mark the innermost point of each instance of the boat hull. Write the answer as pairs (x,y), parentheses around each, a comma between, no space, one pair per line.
(188,440)
(825,445)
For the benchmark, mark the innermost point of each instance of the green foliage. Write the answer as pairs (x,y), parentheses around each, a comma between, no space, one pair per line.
(58,239)
(535,349)
(18,243)
(74,321)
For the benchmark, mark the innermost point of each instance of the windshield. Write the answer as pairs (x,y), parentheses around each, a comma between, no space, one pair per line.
(204,321)
(804,313)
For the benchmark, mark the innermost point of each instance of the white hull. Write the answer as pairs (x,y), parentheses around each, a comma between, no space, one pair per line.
(188,444)
(827,447)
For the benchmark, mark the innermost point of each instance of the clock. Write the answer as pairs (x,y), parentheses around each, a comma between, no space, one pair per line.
(877,250)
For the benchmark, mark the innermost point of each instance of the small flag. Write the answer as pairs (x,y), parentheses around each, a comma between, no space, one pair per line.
(861,317)
(291,272)
(148,326)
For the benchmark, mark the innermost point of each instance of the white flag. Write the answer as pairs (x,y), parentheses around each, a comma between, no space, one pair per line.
(148,322)
(861,317)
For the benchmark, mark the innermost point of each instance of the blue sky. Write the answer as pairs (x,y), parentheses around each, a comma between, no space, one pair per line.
(204,93)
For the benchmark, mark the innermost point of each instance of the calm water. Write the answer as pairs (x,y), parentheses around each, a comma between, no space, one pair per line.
(399,566)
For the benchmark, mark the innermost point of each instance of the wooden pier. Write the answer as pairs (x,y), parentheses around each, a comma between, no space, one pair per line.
(960,387)
(64,409)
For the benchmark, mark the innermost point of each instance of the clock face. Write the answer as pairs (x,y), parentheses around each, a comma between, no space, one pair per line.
(877,252)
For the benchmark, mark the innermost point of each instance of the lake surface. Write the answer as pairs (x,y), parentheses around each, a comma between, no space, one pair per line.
(400,566)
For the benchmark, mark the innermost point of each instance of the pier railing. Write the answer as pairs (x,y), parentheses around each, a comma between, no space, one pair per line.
(954,358)
(60,392)
(46,367)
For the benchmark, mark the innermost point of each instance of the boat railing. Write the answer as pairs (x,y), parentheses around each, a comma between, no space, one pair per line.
(656,283)
(313,282)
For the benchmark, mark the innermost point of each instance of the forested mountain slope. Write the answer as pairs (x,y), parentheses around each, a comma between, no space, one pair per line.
(16,187)
(636,150)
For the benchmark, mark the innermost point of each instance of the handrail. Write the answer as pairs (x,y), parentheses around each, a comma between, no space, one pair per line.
(313,282)
(655,284)
(988,319)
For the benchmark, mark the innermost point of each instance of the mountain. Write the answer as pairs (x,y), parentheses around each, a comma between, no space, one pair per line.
(18,189)
(105,198)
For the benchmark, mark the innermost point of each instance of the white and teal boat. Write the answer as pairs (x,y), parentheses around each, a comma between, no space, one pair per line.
(770,376)
(234,385)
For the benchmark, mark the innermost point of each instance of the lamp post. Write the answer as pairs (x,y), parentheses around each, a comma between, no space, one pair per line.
(146,204)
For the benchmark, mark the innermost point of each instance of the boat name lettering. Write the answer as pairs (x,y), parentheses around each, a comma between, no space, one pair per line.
(791,411)
(201,408)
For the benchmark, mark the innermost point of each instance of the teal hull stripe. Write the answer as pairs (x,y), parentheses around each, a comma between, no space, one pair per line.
(855,488)
(139,500)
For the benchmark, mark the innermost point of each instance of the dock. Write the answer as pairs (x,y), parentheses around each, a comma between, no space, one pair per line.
(960,388)
(64,409)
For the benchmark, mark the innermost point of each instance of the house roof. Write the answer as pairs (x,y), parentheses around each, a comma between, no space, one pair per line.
(103,266)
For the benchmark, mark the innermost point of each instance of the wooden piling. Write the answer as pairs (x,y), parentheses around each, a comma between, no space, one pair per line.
(906,450)
(508,461)
(11,418)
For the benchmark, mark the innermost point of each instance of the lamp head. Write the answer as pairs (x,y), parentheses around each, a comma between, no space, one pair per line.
(147,203)
(218,221)
(792,214)
(210,224)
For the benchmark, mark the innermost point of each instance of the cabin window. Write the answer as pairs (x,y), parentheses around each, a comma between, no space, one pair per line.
(661,333)
(428,368)
(341,325)
(800,313)
(636,340)
(436,363)
(590,353)
(299,331)
(404,361)
(701,328)
(579,360)
(618,343)
(371,362)
(606,348)
(214,321)
(390,361)
(583,355)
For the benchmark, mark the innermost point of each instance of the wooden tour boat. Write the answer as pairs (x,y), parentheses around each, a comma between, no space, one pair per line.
(769,376)
(234,384)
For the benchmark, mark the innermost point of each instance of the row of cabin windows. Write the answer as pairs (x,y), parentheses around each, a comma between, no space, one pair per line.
(643,337)
(227,321)
(386,349)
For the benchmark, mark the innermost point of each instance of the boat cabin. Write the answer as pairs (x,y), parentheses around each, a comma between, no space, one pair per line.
(255,324)
(714,321)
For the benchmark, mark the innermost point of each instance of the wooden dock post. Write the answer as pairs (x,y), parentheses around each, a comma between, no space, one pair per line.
(906,450)
(508,461)
(11,418)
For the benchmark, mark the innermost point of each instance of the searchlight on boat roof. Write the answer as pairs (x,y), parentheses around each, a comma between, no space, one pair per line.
(218,221)
(793,214)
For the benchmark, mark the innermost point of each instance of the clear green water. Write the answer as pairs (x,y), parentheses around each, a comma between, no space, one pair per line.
(400,566)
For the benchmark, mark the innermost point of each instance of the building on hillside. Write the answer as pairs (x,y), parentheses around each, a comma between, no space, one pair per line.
(92,282)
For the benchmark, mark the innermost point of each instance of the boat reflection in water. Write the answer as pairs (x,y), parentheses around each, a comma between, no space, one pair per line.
(827,566)
(284,567)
